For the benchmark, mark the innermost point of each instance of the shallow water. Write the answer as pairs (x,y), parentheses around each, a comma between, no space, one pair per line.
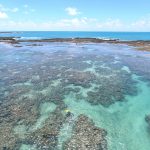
(124,122)
(39,85)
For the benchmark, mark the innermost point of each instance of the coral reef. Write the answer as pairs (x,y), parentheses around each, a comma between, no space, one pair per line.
(147,119)
(32,76)
(86,136)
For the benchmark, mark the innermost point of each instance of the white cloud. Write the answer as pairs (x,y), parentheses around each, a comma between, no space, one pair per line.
(76,24)
(15,10)
(27,10)
(25,6)
(143,24)
(63,24)
(5,9)
(32,10)
(72,11)
(110,24)
(3,15)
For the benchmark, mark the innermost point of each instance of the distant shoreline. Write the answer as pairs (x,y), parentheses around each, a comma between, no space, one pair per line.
(105,35)
(139,44)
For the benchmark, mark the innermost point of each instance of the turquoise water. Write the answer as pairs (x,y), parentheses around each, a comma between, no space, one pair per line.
(123,121)
(39,85)
(72,34)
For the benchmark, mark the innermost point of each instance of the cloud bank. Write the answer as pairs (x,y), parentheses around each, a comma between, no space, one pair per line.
(72,11)
(3,15)
(74,22)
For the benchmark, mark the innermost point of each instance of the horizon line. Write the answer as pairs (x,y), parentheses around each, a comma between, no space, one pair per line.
(66,31)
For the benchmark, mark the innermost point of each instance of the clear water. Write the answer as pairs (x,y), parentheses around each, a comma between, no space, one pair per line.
(40,84)
(72,34)
(124,122)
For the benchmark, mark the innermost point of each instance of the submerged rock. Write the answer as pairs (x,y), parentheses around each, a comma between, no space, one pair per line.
(79,78)
(8,139)
(47,137)
(112,89)
(147,119)
(86,136)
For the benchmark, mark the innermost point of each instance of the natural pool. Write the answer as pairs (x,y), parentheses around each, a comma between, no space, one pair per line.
(56,96)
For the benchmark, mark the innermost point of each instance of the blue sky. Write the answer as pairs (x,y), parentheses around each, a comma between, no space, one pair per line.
(88,15)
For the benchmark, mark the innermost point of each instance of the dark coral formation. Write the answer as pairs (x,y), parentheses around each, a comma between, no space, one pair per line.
(139,66)
(8,140)
(86,136)
(47,137)
(30,77)
(78,78)
(147,119)
(112,89)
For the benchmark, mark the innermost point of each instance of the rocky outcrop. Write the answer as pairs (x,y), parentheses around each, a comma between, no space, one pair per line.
(139,44)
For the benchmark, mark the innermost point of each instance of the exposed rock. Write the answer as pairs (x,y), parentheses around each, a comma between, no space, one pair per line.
(139,44)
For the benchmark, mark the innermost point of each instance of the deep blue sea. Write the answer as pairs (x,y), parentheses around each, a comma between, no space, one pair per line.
(82,34)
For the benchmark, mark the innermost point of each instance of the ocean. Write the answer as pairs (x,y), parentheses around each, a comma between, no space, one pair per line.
(81,34)
(64,95)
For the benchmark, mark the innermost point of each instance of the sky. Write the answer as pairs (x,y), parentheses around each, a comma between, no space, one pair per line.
(75,15)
